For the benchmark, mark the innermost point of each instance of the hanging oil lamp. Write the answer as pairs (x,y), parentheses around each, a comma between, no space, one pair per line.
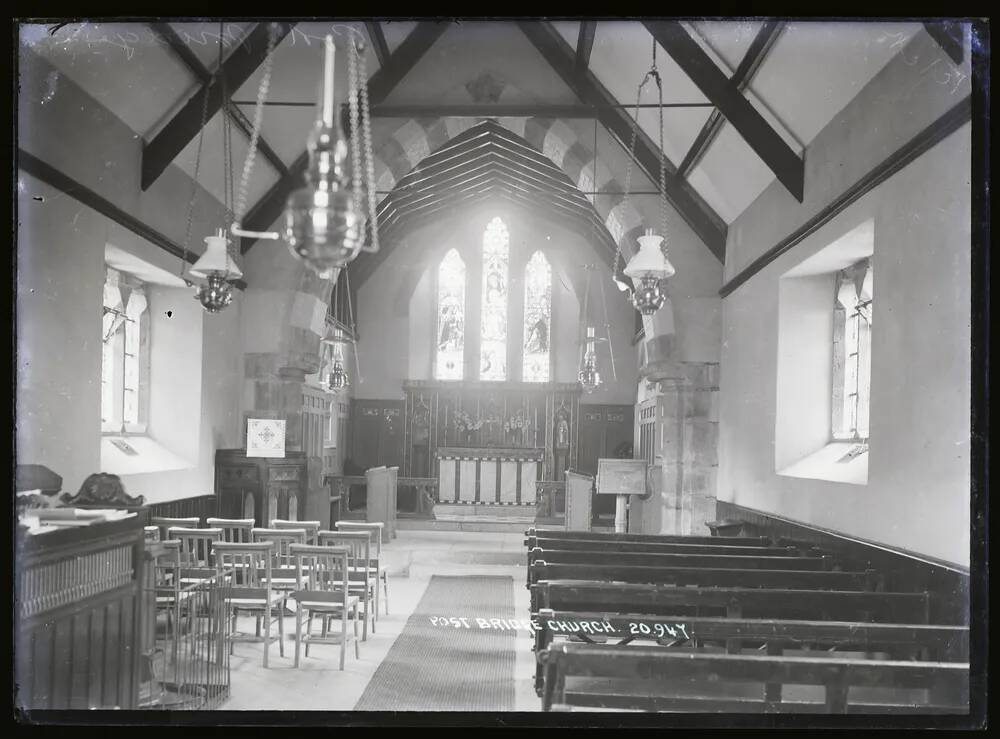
(588,376)
(217,267)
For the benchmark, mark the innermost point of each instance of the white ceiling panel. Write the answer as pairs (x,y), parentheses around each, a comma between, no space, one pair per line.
(728,39)
(203,39)
(285,128)
(680,128)
(730,176)
(623,53)
(211,173)
(395,32)
(124,66)
(297,69)
(815,68)
(569,30)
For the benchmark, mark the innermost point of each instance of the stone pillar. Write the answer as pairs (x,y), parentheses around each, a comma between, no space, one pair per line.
(284,318)
(688,412)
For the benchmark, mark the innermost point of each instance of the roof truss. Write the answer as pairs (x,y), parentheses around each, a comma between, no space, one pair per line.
(185,125)
(787,166)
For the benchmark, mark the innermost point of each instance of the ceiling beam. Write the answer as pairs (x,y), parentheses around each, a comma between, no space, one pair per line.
(378,41)
(707,224)
(185,125)
(742,77)
(193,63)
(779,157)
(585,44)
(950,37)
(384,81)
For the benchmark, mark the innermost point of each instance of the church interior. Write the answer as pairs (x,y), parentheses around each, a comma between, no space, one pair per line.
(495,366)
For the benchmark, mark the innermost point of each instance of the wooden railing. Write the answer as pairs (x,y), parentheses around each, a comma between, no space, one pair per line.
(202,506)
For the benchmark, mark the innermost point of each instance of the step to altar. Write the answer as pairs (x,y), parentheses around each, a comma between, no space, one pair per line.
(483,511)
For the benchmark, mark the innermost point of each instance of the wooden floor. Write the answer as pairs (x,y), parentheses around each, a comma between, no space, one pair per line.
(412,558)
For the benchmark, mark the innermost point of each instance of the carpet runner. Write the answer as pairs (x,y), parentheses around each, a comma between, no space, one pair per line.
(447,668)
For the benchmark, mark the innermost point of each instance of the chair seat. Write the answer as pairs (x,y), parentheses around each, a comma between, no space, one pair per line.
(324,606)
(251,603)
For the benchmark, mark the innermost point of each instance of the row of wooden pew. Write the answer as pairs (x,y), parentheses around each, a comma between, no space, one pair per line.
(734,624)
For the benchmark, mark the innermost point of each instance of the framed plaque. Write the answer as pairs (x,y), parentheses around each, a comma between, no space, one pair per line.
(265,437)
(621,477)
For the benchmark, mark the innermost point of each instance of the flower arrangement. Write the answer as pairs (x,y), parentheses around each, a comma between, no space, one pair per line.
(515,423)
(465,422)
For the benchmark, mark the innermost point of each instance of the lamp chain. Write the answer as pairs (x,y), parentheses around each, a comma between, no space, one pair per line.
(366,130)
(258,117)
(197,167)
(352,103)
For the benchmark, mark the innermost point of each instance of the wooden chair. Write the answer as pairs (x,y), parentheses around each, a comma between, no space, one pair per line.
(165,523)
(166,586)
(282,563)
(323,587)
(248,565)
(376,528)
(311,527)
(363,577)
(196,545)
(234,530)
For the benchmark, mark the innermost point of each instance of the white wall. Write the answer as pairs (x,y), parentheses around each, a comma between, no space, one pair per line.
(917,495)
(60,272)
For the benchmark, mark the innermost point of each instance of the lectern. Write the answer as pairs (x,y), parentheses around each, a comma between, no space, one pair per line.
(621,477)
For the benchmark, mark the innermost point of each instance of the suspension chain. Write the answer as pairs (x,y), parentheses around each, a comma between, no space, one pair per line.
(197,167)
(258,117)
(366,131)
(353,54)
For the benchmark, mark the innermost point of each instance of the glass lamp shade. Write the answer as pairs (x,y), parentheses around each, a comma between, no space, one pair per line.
(322,228)
(588,376)
(338,377)
(649,261)
(216,259)
(217,294)
(649,295)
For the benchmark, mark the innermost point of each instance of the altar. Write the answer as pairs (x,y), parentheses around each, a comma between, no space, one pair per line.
(489,442)
(488,475)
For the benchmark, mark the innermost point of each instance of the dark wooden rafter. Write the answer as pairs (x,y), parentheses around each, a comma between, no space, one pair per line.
(585,44)
(237,116)
(185,125)
(707,224)
(779,157)
(384,81)
(742,77)
(949,35)
(378,41)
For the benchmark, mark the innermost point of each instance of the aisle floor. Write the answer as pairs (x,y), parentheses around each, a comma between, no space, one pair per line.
(318,684)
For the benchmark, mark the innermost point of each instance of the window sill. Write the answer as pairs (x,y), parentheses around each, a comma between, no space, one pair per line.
(824,464)
(149,456)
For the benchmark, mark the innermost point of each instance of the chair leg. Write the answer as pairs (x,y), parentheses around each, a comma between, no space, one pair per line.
(256,619)
(357,647)
(343,637)
(364,631)
(281,628)
(298,632)
(267,633)
(376,599)
(385,585)
(309,626)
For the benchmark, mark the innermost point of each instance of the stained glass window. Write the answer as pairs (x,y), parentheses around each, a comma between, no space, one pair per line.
(493,345)
(537,318)
(450,355)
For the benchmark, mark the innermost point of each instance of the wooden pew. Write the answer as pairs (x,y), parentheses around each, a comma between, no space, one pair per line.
(719,671)
(732,602)
(573,545)
(746,541)
(541,570)
(643,559)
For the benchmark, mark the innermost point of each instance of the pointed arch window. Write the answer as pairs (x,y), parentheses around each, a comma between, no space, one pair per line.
(537,319)
(493,345)
(450,342)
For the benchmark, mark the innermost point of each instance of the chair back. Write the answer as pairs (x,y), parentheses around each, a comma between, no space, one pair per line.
(358,545)
(375,529)
(321,569)
(234,530)
(151,533)
(248,564)
(165,523)
(283,539)
(195,544)
(311,527)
